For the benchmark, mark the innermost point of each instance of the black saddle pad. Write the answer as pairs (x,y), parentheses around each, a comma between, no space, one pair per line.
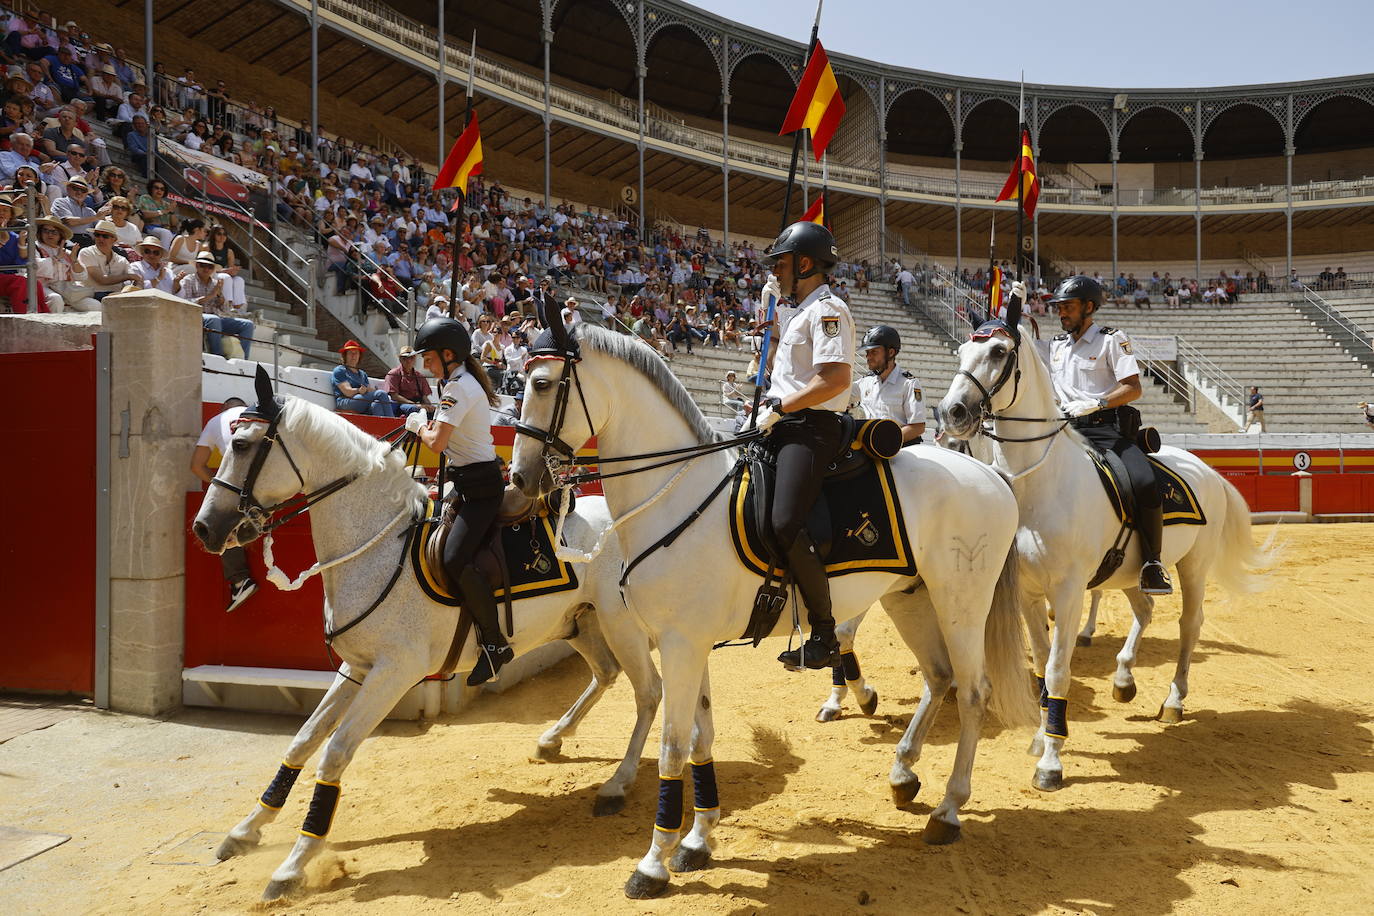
(1180,502)
(534,569)
(866,531)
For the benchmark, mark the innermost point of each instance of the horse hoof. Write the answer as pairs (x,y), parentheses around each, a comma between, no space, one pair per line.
(606,805)
(1124,694)
(642,886)
(827,714)
(690,858)
(230,847)
(903,793)
(870,706)
(940,833)
(547,752)
(1170,715)
(1084,641)
(1048,780)
(1037,746)
(276,890)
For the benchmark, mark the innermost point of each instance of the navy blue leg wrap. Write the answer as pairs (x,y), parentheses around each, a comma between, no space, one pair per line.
(321,814)
(1057,722)
(837,675)
(704,786)
(669,805)
(850,661)
(276,793)
(1044,694)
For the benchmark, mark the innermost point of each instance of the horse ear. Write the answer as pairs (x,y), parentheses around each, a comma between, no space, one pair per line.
(553,320)
(1013,318)
(267,400)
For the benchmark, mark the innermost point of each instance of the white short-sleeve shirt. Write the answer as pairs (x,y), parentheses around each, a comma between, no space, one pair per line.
(897,397)
(463,405)
(215,435)
(820,331)
(1090,367)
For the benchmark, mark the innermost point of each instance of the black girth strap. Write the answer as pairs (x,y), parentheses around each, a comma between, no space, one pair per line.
(682,526)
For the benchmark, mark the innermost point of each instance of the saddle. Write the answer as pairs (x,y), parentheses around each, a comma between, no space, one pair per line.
(856,523)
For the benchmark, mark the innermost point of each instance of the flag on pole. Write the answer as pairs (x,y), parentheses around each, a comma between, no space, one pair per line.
(995,293)
(1024,169)
(816,212)
(817,106)
(463,161)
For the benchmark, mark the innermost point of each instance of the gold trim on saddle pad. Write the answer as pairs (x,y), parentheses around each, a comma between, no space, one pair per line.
(534,567)
(1180,503)
(868,530)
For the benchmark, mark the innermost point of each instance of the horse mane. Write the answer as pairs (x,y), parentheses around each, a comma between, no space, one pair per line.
(632,350)
(346,450)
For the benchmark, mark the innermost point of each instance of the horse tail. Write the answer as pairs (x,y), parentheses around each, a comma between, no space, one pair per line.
(1239,564)
(1004,648)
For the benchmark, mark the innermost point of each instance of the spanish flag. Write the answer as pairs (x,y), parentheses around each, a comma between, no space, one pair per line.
(816,212)
(1030,182)
(995,293)
(463,161)
(817,106)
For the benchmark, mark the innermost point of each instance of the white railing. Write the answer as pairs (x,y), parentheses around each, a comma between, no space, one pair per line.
(1211,381)
(1360,341)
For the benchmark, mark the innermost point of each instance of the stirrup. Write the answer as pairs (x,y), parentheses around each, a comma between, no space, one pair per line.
(816,653)
(1154,580)
(490,660)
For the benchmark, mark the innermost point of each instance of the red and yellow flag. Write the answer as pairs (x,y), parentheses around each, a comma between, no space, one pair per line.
(816,212)
(817,106)
(1030,182)
(995,293)
(463,161)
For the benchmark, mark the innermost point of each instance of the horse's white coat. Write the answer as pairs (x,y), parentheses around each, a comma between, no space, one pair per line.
(961,519)
(1067,525)
(407,637)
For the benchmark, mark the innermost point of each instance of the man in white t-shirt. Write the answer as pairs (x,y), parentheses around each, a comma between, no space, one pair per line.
(214,441)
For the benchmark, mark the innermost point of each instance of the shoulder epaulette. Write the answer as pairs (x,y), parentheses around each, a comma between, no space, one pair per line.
(1107,330)
(1060,337)
(906,374)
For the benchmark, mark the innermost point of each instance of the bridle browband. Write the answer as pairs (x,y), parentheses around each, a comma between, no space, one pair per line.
(1011,371)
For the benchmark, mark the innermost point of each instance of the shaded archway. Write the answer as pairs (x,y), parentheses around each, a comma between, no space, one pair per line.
(918,124)
(1074,134)
(990,132)
(593,46)
(1340,123)
(1243,131)
(682,75)
(1154,134)
(761,90)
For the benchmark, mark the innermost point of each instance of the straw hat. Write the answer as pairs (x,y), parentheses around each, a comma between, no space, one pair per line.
(206,257)
(106,226)
(151,241)
(44,221)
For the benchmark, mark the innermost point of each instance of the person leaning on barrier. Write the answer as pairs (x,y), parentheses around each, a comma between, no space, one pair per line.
(353,390)
(215,439)
(407,388)
(1095,379)
(205,289)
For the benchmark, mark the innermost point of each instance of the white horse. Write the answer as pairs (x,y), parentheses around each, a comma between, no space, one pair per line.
(958,615)
(1067,525)
(406,636)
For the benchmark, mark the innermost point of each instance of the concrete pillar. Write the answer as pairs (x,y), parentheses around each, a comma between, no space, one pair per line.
(154,423)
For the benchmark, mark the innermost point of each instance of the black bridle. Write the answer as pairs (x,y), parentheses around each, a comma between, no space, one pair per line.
(1011,371)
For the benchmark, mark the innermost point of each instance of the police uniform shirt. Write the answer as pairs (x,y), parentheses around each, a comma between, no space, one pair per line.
(463,405)
(1090,367)
(820,331)
(898,397)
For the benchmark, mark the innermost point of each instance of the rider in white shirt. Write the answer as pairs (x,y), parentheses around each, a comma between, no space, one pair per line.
(891,392)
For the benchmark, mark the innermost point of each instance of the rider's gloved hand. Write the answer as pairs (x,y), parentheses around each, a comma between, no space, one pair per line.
(1018,292)
(416,421)
(1081,408)
(770,412)
(771,295)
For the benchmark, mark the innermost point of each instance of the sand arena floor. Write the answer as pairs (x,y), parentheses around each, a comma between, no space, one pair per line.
(1261,801)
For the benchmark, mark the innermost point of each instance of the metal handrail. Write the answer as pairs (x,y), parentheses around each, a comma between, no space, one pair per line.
(1358,334)
(1222,380)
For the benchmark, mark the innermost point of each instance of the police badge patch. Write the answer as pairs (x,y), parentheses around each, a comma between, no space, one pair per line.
(447,401)
(830,327)
(1126,347)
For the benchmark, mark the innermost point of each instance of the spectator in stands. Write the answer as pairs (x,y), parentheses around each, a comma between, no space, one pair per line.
(136,104)
(1255,413)
(74,164)
(14,283)
(137,142)
(679,331)
(904,283)
(1368,412)
(1142,298)
(1293,282)
(72,211)
(153,272)
(215,439)
(1339,281)
(115,183)
(217,243)
(354,391)
(58,268)
(407,388)
(107,92)
(20,154)
(1326,279)
(187,245)
(343,260)
(1171,295)
(127,235)
(67,75)
(106,270)
(205,289)
(730,395)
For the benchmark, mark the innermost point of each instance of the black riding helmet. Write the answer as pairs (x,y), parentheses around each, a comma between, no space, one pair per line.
(1085,288)
(805,239)
(880,335)
(443,334)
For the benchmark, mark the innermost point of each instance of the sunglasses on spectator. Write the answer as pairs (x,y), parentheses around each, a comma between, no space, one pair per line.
(120,207)
(46,229)
(102,235)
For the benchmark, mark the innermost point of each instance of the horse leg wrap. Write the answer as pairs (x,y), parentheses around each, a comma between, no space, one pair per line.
(849,662)
(321,814)
(837,675)
(704,786)
(669,817)
(280,787)
(1057,720)
(1044,693)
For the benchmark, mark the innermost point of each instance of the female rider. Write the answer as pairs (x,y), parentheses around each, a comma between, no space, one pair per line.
(461,429)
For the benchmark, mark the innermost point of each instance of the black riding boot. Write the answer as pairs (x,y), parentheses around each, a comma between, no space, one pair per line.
(1154,579)
(822,649)
(493,650)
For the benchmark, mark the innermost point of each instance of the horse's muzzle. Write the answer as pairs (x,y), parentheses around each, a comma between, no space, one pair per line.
(533,486)
(960,422)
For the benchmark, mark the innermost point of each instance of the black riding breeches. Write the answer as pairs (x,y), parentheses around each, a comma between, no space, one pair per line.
(1108,438)
(480,486)
(805,443)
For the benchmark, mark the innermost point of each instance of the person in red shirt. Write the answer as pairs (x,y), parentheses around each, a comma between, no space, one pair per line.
(408,388)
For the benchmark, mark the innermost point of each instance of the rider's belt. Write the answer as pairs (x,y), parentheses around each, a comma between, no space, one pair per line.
(479,480)
(1104,417)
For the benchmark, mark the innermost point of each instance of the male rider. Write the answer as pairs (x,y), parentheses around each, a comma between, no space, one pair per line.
(1095,378)
(891,393)
(810,382)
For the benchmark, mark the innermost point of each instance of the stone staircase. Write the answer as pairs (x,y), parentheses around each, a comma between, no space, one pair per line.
(1310,384)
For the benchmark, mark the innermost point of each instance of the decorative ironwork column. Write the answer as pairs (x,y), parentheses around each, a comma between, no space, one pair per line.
(725,162)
